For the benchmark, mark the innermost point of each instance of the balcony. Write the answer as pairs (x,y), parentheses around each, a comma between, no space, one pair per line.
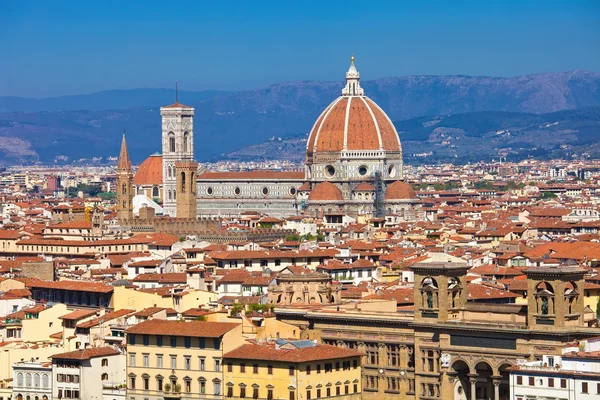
(172,391)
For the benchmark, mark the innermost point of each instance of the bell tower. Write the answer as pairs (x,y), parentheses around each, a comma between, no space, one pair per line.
(177,145)
(440,290)
(554,297)
(124,186)
(186,172)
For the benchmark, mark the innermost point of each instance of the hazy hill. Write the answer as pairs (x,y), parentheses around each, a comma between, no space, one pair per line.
(472,137)
(90,125)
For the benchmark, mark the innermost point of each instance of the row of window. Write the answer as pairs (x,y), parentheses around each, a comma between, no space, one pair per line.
(371,382)
(68,394)
(33,380)
(327,367)
(67,378)
(200,343)
(551,382)
(292,393)
(187,362)
(188,385)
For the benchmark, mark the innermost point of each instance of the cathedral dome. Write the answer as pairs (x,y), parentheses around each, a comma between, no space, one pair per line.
(325,191)
(353,122)
(400,191)
(150,171)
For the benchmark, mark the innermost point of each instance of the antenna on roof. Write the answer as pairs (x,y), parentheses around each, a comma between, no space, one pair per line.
(176,92)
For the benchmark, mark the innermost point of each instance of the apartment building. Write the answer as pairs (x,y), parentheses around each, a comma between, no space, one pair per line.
(175,359)
(290,370)
(82,374)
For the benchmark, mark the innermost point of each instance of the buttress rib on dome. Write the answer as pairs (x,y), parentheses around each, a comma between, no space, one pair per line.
(400,191)
(150,171)
(325,191)
(353,123)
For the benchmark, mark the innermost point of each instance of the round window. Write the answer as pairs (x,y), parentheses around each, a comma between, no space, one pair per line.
(362,170)
(265,191)
(293,191)
(392,172)
(237,191)
(209,191)
(330,170)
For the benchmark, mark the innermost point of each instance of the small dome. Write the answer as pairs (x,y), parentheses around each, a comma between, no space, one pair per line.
(150,171)
(400,191)
(325,191)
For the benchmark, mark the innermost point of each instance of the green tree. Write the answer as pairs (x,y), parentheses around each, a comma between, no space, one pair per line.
(598,308)
(546,196)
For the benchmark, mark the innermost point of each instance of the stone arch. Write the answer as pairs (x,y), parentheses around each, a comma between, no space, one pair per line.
(460,371)
(483,372)
(504,383)
(544,296)
(429,293)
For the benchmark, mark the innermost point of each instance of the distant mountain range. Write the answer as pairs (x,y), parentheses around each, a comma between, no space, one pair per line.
(472,137)
(84,126)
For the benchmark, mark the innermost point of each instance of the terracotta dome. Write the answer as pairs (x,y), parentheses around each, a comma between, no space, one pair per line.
(325,191)
(150,171)
(353,122)
(400,191)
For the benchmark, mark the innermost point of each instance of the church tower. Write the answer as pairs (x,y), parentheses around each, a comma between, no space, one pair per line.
(124,186)
(186,172)
(177,145)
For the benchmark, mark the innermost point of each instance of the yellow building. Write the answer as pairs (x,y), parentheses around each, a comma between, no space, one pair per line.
(134,299)
(292,370)
(182,360)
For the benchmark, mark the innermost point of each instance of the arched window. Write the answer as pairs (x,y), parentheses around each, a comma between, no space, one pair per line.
(19,379)
(171,142)
(155,191)
(104,376)
(105,362)
(169,171)
(124,189)
(170,195)
(36,380)
(28,380)
(186,138)
(45,381)
(183,182)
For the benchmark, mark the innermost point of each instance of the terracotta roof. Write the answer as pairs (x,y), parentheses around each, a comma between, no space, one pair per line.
(305,187)
(86,354)
(147,312)
(170,278)
(105,318)
(78,314)
(178,328)
(15,294)
(400,191)
(72,225)
(9,234)
(364,126)
(325,191)
(176,105)
(269,352)
(252,175)
(364,187)
(150,171)
(67,285)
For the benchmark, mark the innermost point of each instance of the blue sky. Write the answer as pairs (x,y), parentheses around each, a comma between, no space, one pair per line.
(50,48)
